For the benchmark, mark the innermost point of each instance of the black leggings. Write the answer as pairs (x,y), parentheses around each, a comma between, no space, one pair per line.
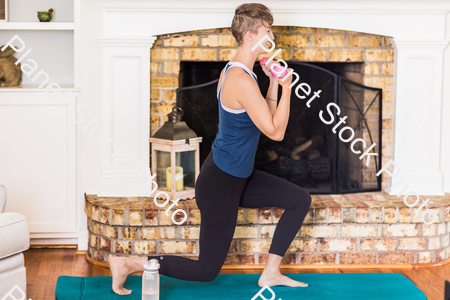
(218,196)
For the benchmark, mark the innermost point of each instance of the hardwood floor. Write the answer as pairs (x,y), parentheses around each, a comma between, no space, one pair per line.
(44,266)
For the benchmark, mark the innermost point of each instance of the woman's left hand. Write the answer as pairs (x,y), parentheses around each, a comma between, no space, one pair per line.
(266,69)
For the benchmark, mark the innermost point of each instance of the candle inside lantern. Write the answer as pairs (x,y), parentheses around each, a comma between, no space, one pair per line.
(178,177)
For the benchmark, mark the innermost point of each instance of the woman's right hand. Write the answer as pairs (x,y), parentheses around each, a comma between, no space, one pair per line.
(287,81)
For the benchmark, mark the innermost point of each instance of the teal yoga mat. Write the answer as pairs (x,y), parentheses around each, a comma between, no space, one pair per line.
(329,286)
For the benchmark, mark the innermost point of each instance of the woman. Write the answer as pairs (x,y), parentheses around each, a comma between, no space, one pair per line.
(227,179)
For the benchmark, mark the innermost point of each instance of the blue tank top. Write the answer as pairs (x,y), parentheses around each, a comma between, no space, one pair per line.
(235,145)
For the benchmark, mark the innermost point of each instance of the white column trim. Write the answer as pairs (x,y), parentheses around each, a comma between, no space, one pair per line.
(418,73)
(125,115)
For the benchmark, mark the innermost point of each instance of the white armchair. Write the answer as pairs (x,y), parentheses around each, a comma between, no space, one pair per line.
(14,239)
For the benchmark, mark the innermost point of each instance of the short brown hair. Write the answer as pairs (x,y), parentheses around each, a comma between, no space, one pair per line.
(249,17)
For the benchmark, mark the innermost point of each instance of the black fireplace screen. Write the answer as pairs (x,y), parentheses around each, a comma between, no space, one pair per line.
(312,154)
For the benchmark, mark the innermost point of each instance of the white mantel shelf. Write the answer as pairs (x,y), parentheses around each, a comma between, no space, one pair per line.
(292,6)
(22,88)
(412,18)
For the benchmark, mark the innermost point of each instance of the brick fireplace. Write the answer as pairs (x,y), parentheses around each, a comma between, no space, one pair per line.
(363,58)
(362,228)
(366,228)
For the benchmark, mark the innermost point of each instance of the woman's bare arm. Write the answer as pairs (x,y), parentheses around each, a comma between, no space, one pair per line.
(272,95)
(247,93)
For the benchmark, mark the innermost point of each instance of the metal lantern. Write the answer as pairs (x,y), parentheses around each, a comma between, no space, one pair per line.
(175,150)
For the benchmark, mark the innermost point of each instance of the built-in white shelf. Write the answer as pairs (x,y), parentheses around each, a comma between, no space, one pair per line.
(27,88)
(37,25)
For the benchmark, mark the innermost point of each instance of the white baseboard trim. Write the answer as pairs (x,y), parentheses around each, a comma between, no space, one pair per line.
(54,241)
(82,240)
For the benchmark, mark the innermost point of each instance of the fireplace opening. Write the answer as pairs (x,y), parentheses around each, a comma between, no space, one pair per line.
(311,154)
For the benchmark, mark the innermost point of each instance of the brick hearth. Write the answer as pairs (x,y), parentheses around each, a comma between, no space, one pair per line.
(363,228)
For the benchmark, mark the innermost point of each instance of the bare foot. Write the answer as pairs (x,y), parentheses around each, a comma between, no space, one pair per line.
(273,279)
(119,272)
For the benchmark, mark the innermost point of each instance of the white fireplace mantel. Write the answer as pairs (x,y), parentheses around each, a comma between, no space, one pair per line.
(413,18)
(418,29)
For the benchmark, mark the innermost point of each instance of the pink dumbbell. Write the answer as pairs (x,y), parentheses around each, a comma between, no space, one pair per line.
(277,68)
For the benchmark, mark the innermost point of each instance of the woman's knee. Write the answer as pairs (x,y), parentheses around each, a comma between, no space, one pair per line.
(210,274)
(303,199)
(309,200)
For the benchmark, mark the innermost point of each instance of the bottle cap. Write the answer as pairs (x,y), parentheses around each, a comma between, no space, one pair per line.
(151,265)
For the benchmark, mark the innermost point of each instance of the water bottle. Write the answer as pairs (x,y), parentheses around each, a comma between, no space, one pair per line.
(150,280)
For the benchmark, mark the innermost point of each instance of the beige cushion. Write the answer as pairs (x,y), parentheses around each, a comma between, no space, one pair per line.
(3,198)
(11,262)
(14,234)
